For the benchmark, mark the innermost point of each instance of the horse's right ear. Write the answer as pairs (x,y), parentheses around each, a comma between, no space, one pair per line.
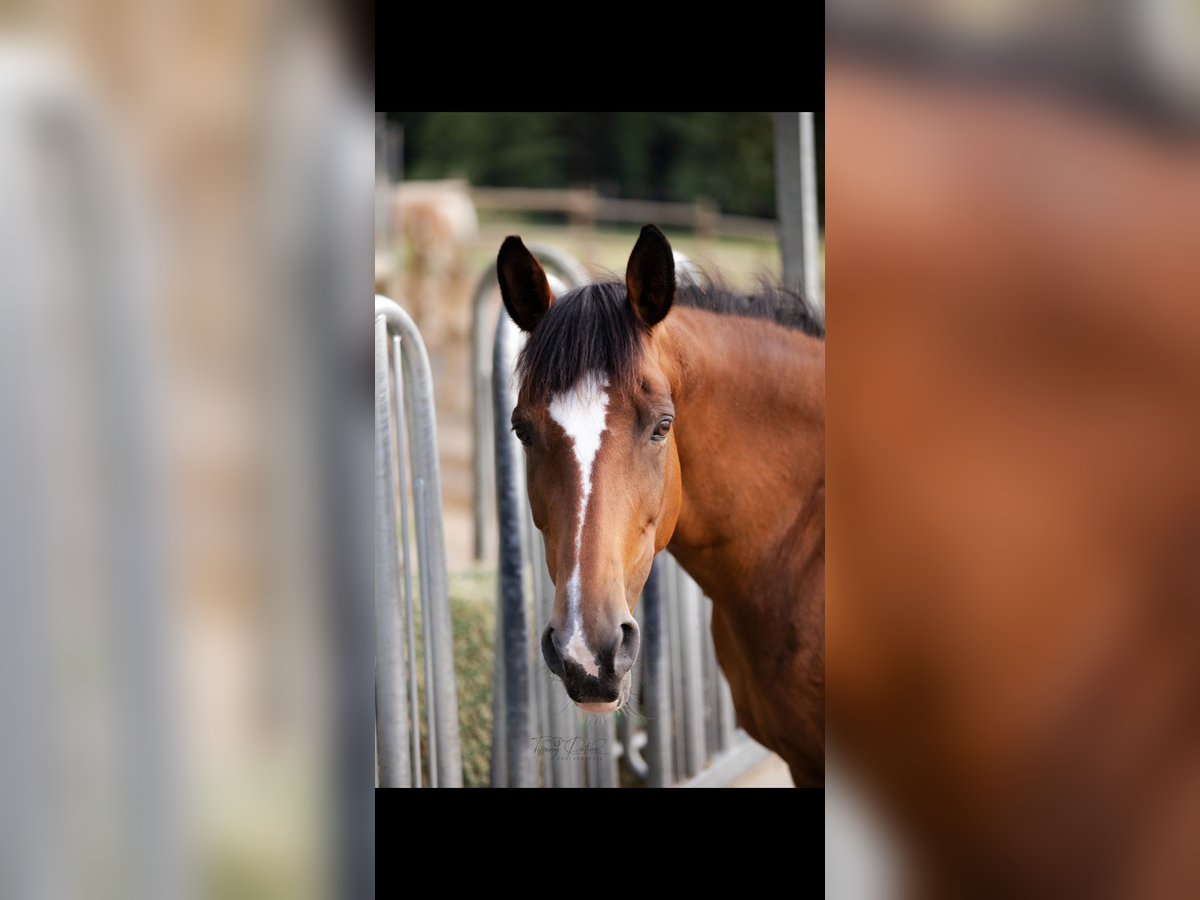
(523,284)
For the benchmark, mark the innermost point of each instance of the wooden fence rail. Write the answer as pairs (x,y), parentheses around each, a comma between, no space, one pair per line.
(584,206)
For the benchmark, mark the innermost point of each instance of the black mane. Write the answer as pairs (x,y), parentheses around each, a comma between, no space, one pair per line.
(594,329)
(770,302)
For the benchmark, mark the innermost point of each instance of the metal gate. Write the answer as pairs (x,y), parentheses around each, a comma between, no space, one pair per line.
(680,728)
(408,537)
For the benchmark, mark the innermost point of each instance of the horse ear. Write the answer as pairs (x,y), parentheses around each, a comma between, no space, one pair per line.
(650,276)
(523,284)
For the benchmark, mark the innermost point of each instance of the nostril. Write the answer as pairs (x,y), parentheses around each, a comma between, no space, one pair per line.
(627,649)
(551,653)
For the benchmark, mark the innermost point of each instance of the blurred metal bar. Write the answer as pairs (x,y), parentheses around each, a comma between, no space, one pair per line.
(656,679)
(712,679)
(672,574)
(608,774)
(726,719)
(693,674)
(555,769)
(796,198)
(382,187)
(401,445)
(632,738)
(445,762)
(391,714)
(431,728)
(511,574)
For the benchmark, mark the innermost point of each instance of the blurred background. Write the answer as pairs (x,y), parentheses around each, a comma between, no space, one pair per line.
(185,207)
(1012,190)
(451,186)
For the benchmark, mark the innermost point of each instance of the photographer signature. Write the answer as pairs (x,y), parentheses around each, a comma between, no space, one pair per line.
(572,748)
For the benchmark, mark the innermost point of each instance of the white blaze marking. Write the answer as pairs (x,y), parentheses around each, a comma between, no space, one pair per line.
(580,412)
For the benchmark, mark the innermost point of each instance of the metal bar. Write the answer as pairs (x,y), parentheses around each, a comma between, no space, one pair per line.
(390,712)
(693,674)
(432,564)
(712,676)
(656,678)
(591,765)
(427,601)
(419,374)
(678,712)
(382,185)
(543,598)
(563,725)
(401,443)
(726,718)
(796,196)
(511,572)
(813,282)
(633,738)
(606,753)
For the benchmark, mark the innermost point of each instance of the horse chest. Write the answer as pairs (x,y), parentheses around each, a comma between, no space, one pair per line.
(774,666)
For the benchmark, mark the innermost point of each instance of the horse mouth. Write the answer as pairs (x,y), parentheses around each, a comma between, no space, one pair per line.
(601,709)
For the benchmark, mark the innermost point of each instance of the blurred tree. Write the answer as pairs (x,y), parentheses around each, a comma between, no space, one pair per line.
(656,156)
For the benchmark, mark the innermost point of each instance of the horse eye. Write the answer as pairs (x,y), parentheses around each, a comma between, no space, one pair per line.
(522,432)
(661,430)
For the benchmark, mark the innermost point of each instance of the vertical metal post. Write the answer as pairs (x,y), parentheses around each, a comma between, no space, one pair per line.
(511,574)
(656,679)
(429,510)
(726,719)
(605,740)
(796,196)
(543,599)
(693,673)
(401,445)
(712,677)
(390,702)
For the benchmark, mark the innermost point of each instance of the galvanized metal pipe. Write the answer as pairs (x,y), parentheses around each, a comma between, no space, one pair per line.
(391,715)
(693,674)
(431,543)
(409,617)
(656,688)
(712,677)
(796,198)
(511,574)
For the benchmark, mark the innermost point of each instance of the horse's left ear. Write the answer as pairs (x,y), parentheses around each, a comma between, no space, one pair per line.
(650,276)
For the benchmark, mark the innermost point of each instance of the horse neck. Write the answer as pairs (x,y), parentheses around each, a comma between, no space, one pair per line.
(750,407)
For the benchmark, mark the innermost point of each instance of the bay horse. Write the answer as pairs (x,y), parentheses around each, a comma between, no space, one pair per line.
(660,416)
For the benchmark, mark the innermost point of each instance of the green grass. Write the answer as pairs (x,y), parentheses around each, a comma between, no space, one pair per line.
(473,614)
(473,625)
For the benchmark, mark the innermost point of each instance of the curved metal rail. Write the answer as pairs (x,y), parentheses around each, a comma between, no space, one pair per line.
(404,415)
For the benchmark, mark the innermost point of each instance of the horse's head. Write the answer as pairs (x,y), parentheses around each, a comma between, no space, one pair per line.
(595,414)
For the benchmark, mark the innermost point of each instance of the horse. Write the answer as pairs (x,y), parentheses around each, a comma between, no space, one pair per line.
(1012,662)
(684,417)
